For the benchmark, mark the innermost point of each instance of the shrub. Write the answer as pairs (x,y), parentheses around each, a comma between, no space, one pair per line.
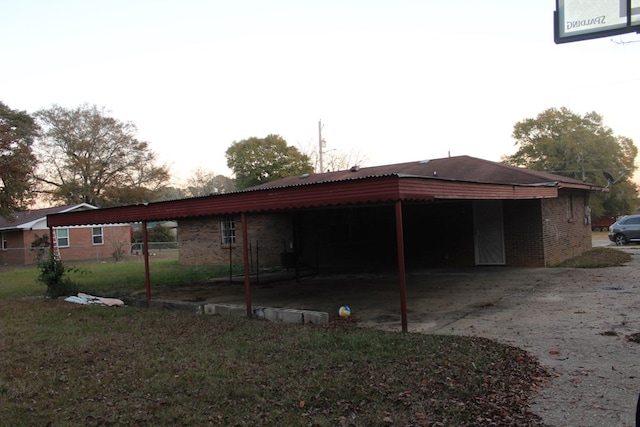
(40,247)
(119,250)
(55,275)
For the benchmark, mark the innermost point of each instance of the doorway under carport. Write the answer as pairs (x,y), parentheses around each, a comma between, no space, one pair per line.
(438,234)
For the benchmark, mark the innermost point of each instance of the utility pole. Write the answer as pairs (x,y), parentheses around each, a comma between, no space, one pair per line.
(321,145)
(581,161)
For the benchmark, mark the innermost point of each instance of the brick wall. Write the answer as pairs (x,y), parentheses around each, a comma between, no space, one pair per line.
(537,233)
(81,245)
(544,232)
(15,252)
(200,240)
(565,232)
(523,233)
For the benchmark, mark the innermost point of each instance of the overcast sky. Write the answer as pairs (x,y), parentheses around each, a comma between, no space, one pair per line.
(395,81)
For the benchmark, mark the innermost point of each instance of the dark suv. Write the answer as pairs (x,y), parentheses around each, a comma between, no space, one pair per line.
(626,229)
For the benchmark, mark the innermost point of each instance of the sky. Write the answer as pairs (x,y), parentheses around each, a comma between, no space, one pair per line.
(391,81)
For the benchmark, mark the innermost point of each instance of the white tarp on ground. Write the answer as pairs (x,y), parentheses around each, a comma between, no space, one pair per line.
(90,299)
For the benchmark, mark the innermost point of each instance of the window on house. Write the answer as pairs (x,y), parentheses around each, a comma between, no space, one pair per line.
(228,229)
(96,233)
(5,245)
(62,237)
(570,208)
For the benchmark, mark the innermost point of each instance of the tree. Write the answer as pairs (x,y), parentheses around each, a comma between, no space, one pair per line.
(169,193)
(87,156)
(582,147)
(157,233)
(333,159)
(258,160)
(203,182)
(17,161)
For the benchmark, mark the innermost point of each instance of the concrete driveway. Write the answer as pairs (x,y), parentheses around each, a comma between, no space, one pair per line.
(600,238)
(577,323)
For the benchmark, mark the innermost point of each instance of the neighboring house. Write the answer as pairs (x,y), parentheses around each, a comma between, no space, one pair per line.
(97,242)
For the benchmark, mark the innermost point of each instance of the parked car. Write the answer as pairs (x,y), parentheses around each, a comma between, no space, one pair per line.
(626,229)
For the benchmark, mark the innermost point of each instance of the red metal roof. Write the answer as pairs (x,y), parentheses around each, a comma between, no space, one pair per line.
(450,178)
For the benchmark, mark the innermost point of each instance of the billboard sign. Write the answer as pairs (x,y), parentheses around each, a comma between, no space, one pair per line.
(589,19)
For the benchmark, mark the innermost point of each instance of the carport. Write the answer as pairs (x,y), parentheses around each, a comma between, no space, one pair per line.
(451,179)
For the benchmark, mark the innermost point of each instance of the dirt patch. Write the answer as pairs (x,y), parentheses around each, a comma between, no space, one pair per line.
(584,324)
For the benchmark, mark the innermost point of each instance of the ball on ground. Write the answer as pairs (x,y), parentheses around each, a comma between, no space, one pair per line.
(344,311)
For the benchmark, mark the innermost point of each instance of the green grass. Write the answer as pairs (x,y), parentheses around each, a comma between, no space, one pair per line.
(67,364)
(111,278)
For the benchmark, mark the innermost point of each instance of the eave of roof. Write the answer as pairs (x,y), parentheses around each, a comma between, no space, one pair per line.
(374,190)
(25,220)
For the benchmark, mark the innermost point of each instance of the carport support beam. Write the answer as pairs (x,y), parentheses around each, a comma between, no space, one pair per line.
(245,258)
(145,253)
(401,265)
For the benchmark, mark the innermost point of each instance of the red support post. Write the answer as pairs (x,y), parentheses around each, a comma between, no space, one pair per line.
(145,252)
(52,249)
(401,265)
(245,261)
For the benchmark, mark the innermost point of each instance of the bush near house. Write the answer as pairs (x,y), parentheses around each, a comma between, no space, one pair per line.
(55,275)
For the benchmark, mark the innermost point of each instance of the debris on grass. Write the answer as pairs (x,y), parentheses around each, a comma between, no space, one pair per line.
(634,337)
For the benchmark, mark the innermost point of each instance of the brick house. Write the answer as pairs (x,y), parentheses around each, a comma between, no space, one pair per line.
(18,233)
(465,212)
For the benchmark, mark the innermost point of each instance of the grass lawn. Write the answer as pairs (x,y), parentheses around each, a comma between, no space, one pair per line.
(68,364)
(112,278)
(65,365)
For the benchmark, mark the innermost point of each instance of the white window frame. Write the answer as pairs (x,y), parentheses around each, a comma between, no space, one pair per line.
(228,231)
(5,244)
(95,235)
(59,238)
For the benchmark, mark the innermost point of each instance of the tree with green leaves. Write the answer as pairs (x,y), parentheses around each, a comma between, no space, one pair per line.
(562,142)
(258,160)
(17,161)
(88,156)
